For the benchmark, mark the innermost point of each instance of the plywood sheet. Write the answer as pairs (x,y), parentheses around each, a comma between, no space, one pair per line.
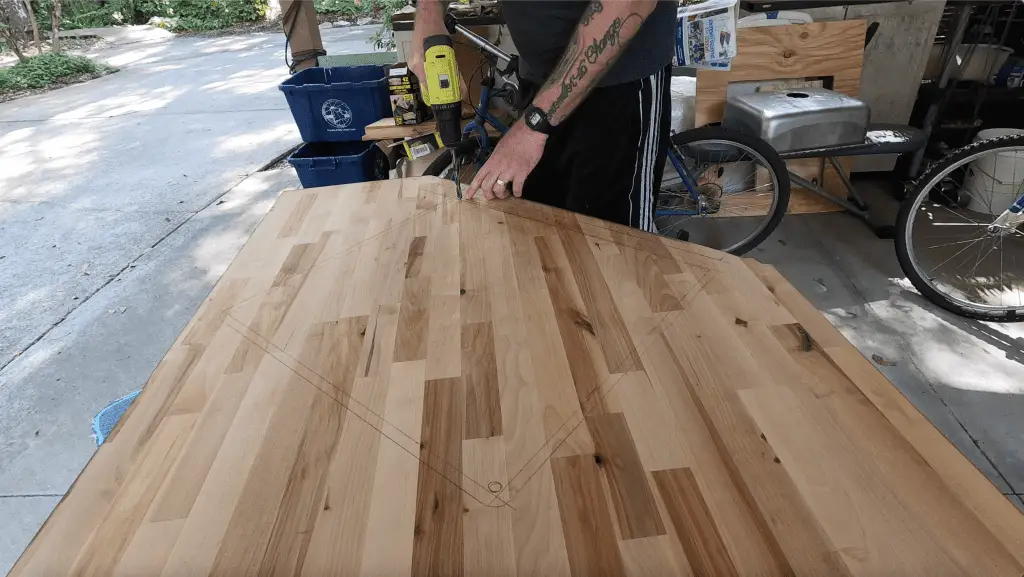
(389,381)
(829,49)
(821,49)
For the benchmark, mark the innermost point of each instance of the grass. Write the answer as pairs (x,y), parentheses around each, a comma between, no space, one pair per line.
(49,70)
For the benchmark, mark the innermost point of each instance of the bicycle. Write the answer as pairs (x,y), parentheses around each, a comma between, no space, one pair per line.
(958,232)
(704,197)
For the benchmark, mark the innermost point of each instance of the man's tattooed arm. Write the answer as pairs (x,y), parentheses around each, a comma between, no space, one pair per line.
(605,29)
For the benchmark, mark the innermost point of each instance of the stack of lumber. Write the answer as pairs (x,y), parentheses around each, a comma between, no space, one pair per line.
(388,381)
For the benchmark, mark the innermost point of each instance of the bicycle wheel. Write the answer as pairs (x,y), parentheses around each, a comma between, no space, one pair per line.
(721,189)
(955,240)
(469,151)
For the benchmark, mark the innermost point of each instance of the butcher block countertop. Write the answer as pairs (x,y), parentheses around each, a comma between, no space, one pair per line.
(389,381)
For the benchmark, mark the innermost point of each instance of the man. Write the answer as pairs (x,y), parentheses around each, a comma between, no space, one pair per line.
(595,137)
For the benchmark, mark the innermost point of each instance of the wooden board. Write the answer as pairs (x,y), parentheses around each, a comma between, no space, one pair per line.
(388,381)
(828,49)
(386,129)
(819,49)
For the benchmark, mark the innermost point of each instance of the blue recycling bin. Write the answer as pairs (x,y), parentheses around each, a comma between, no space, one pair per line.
(332,163)
(336,104)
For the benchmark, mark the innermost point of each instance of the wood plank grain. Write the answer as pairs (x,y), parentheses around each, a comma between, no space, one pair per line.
(573,324)
(586,519)
(444,349)
(537,527)
(607,322)
(753,548)
(473,270)
(805,440)
(650,557)
(336,544)
(693,521)
(651,424)
(151,544)
(110,541)
(284,433)
(411,343)
(438,535)
(964,480)
(699,342)
(631,496)
(296,516)
(414,261)
(487,527)
(250,530)
(480,377)
(297,215)
(389,532)
(208,520)
(651,279)
(186,478)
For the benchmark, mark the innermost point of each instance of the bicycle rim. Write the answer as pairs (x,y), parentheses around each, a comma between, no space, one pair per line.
(731,203)
(951,251)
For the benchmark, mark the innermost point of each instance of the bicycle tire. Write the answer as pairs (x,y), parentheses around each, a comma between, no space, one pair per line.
(933,175)
(775,164)
(440,165)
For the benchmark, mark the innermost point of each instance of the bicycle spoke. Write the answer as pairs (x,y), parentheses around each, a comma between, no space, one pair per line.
(949,244)
(955,255)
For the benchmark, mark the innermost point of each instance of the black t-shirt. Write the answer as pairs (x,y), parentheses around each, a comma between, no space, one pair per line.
(541,29)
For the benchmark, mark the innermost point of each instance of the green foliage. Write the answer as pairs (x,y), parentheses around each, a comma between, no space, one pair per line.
(214,14)
(91,14)
(346,9)
(46,69)
(191,14)
(384,39)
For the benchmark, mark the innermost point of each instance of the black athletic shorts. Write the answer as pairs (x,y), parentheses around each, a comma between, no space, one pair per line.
(606,160)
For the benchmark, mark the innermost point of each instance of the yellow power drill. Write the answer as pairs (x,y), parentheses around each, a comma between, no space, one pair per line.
(444,94)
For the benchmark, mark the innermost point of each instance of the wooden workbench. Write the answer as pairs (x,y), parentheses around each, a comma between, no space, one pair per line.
(388,381)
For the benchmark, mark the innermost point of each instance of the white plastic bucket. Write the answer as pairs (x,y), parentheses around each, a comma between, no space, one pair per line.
(994,180)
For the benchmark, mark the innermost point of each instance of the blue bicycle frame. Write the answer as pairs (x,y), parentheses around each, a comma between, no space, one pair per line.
(478,125)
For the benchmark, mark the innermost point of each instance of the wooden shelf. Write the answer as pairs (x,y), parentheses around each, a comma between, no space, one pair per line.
(389,381)
(385,129)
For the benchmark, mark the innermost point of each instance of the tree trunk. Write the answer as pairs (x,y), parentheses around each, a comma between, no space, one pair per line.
(13,43)
(55,41)
(35,26)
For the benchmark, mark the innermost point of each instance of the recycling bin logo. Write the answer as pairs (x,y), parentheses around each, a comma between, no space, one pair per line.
(336,113)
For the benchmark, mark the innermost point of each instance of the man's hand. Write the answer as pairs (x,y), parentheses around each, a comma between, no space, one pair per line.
(416,66)
(515,157)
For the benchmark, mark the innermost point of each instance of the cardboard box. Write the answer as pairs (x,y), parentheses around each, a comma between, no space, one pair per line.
(404,91)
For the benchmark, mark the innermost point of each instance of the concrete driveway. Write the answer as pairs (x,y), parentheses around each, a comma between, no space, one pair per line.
(122,200)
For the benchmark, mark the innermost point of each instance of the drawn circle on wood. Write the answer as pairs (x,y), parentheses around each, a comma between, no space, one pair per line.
(494,487)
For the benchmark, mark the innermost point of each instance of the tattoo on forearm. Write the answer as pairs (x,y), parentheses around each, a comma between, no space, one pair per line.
(572,53)
(576,64)
(592,8)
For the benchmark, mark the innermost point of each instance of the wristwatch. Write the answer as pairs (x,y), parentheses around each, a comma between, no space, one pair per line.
(537,120)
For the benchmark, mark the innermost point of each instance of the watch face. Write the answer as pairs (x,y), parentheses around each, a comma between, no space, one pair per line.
(535,118)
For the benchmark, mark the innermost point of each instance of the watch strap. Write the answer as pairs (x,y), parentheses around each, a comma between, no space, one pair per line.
(537,120)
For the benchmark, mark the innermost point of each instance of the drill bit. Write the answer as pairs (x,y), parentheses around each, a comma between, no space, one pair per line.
(456,170)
